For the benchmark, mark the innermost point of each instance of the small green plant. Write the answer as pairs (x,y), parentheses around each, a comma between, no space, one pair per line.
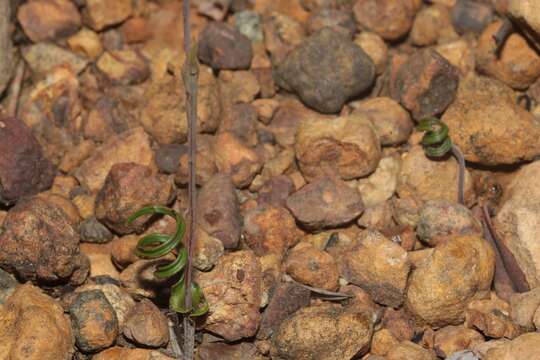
(437,143)
(157,245)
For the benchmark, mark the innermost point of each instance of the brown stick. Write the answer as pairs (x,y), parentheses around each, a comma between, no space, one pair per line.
(456,151)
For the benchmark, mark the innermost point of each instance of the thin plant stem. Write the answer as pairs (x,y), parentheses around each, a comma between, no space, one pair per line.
(456,151)
(502,34)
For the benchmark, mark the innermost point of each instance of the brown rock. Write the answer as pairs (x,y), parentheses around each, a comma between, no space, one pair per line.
(326,331)
(492,318)
(238,87)
(282,34)
(451,339)
(381,185)
(313,267)
(40,242)
(24,170)
(383,342)
(93,231)
(286,300)
(488,126)
(85,205)
(425,179)
(432,24)
(130,146)
(390,121)
(48,19)
(441,219)
(374,46)
(471,16)
(377,265)
(123,67)
(400,324)
(120,353)
(128,188)
(139,280)
(146,325)
(270,229)
(136,30)
(426,84)
(517,64)
(223,351)
(458,53)
(326,202)
(86,43)
(326,70)
(275,191)
(94,321)
(206,251)
(223,47)
(347,146)
(101,263)
(123,250)
(218,210)
(232,157)
(100,14)
(458,271)
(265,109)
(391,19)
(523,347)
(43,57)
(340,20)
(409,350)
(206,166)
(34,327)
(163,112)
(233,290)
(524,307)
(379,217)
(240,120)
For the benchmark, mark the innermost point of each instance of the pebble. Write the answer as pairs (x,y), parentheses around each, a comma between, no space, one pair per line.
(43,57)
(146,325)
(99,14)
(224,48)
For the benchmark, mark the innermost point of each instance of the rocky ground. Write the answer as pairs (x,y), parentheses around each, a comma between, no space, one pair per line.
(324,231)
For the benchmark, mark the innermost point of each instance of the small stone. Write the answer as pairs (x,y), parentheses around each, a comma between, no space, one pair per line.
(48,19)
(451,339)
(407,350)
(206,251)
(458,271)
(464,355)
(383,342)
(86,43)
(223,351)
(206,164)
(100,14)
(523,347)
(524,307)
(488,126)
(347,146)
(238,86)
(391,19)
(123,67)
(379,217)
(24,170)
(400,323)
(458,53)
(8,284)
(93,231)
(432,25)
(381,185)
(39,243)
(146,325)
(265,109)
(99,256)
(440,219)
(123,250)
(313,267)
(139,280)
(224,48)
(326,70)
(168,157)
(340,20)
(122,353)
(517,64)
(471,16)
(218,210)
(34,327)
(136,30)
(378,266)
(326,202)
(130,146)
(323,332)
(249,24)
(286,299)
(282,34)
(128,188)
(240,120)
(94,321)
(492,318)
(425,179)
(374,46)
(275,191)
(76,156)
(43,57)
(233,315)
(426,84)
(85,205)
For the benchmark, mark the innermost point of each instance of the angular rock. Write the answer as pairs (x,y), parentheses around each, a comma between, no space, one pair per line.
(458,53)
(237,87)
(374,46)
(34,327)
(249,24)
(123,250)
(128,188)
(423,179)
(87,43)
(471,16)
(523,347)
(40,243)
(100,14)
(326,202)
(48,19)
(326,70)
(218,210)
(43,57)
(340,20)
(94,321)
(206,251)
(347,147)
(233,290)
(24,170)
(408,350)
(282,34)
(432,25)
(123,67)
(93,231)
(99,256)
(323,332)
(139,280)
(121,353)
(313,267)
(451,339)
(524,306)
(8,284)
(391,19)
(488,125)
(146,325)
(426,84)
(224,48)
(458,271)
(492,318)
(130,146)
(378,266)
(270,229)
(440,219)
(381,185)
(206,161)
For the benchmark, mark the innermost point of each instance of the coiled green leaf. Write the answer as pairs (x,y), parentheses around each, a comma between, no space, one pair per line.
(436,141)
(156,245)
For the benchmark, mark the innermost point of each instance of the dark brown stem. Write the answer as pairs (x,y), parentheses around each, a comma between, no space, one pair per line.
(502,34)
(461,173)
(526,100)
